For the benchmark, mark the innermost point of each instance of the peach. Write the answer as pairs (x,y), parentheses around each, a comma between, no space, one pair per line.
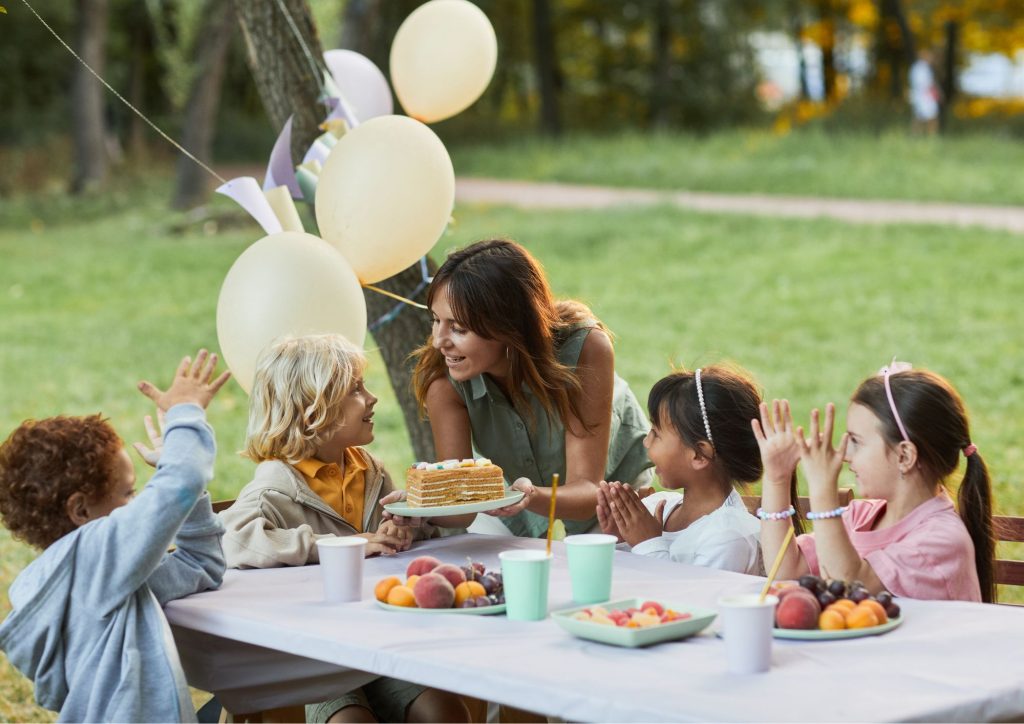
(798,612)
(434,591)
(401,596)
(384,586)
(453,573)
(421,565)
(467,590)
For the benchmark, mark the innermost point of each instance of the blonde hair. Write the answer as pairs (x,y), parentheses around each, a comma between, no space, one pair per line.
(297,392)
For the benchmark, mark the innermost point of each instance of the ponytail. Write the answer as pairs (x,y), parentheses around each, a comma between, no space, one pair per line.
(975,504)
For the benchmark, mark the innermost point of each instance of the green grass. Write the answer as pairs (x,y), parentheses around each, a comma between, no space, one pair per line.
(976,168)
(809,307)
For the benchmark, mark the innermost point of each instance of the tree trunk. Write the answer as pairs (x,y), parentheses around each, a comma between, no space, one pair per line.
(89,127)
(949,73)
(547,70)
(287,85)
(211,52)
(660,80)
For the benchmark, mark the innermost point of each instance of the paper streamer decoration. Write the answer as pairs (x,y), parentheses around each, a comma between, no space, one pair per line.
(280,169)
(442,59)
(360,83)
(385,195)
(248,194)
(280,200)
(288,283)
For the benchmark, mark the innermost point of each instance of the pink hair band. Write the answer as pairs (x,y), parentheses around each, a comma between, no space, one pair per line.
(970,449)
(886,371)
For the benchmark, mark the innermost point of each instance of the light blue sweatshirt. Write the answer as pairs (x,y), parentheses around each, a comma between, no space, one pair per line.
(87,625)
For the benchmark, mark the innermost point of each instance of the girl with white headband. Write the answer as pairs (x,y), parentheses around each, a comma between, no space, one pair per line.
(701,443)
(906,431)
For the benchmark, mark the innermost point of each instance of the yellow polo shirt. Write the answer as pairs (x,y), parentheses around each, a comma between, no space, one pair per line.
(343,492)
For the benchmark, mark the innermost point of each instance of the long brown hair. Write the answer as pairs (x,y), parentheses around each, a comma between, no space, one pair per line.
(498,291)
(936,422)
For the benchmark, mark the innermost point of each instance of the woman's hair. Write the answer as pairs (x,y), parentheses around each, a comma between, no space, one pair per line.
(730,400)
(498,291)
(43,463)
(936,422)
(297,391)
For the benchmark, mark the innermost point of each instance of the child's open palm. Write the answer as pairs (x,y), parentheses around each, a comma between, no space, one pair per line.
(779,444)
(151,455)
(821,461)
(193,382)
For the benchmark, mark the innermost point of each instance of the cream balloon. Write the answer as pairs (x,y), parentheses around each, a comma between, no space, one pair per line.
(385,195)
(442,59)
(361,82)
(286,283)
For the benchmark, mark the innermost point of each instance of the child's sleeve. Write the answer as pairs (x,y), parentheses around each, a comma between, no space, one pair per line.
(254,535)
(119,552)
(660,547)
(197,562)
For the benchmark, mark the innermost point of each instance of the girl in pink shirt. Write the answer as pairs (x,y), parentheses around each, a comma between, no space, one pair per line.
(905,432)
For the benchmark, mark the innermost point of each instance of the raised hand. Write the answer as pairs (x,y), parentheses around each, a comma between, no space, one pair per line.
(779,443)
(635,524)
(193,382)
(151,455)
(821,461)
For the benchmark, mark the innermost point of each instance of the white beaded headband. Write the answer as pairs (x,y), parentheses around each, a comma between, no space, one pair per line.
(703,408)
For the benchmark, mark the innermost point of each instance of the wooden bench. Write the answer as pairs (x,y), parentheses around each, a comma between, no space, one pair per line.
(1009,529)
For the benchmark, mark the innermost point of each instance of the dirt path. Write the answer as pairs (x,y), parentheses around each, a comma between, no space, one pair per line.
(531,195)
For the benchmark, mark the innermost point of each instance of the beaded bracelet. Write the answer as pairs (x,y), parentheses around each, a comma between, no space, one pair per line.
(827,514)
(781,515)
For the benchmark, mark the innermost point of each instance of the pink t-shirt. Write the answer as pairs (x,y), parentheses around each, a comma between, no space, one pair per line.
(927,555)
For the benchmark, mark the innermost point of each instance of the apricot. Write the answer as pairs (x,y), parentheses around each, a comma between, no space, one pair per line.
(831,619)
(453,573)
(844,604)
(384,586)
(411,581)
(875,606)
(797,612)
(421,565)
(861,617)
(401,596)
(467,590)
(434,591)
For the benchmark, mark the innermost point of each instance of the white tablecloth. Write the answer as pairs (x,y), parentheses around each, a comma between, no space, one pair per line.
(266,638)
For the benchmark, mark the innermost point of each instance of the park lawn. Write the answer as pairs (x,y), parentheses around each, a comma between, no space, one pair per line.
(809,307)
(975,168)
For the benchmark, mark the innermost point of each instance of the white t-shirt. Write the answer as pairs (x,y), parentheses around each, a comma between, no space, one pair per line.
(923,91)
(727,538)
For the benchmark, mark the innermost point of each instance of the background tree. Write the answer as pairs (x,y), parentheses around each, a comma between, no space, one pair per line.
(88,98)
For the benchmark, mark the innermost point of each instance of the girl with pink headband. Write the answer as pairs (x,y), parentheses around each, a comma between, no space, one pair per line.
(906,431)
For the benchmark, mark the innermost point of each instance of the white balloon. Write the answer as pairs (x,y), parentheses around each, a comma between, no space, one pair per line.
(442,59)
(361,82)
(289,283)
(385,195)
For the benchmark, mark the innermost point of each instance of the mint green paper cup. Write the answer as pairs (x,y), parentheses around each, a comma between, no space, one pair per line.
(590,566)
(524,575)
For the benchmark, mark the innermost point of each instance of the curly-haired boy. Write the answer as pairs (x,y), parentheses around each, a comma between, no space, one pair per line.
(86,624)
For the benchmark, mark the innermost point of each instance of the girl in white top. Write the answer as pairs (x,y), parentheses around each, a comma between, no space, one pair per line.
(700,442)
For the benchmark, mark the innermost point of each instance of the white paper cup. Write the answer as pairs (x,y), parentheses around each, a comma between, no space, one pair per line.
(747,629)
(341,563)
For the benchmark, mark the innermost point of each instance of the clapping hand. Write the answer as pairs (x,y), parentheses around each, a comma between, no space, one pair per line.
(630,516)
(779,444)
(193,382)
(151,455)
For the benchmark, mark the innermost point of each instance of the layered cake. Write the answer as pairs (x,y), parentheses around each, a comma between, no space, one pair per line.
(453,482)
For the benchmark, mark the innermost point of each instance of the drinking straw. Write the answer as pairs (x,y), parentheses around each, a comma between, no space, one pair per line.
(551,512)
(778,562)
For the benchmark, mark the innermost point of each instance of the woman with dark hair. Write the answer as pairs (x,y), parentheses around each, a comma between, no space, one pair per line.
(529,382)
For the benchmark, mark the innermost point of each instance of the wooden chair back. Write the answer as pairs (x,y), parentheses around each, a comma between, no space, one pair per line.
(1009,529)
(803,503)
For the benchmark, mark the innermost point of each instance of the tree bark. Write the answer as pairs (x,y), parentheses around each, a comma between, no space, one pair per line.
(547,68)
(287,85)
(89,127)
(948,73)
(211,54)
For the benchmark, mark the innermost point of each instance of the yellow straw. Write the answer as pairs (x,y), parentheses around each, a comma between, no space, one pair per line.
(777,563)
(551,512)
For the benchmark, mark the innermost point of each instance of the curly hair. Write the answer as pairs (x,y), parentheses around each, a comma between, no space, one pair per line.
(43,463)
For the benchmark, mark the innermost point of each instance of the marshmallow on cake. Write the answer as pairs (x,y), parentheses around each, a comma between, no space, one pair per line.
(453,482)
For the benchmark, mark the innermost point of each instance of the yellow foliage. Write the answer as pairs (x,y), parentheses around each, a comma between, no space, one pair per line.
(976,107)
(863,13)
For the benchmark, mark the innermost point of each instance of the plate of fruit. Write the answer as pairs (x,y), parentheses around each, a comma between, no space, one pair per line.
(634,622)
(817,609)
(431,586)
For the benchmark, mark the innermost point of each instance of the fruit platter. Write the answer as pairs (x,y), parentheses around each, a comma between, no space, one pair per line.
(431,586)
(634,622)
(814,608)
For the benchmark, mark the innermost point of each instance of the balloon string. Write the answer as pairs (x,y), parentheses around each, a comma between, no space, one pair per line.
(122,98)
(386,293)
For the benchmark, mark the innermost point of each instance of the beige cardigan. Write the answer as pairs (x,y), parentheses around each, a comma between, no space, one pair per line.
(277,518)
